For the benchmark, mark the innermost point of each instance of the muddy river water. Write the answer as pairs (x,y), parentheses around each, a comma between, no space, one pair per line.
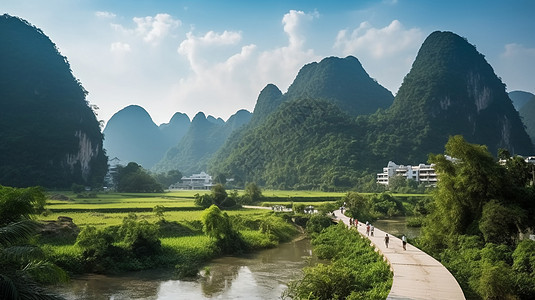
(261,275)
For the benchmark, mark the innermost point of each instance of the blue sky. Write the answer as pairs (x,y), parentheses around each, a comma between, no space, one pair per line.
(216,56)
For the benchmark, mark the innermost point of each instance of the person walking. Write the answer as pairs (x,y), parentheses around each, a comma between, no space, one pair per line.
(387,240)
(368,230)
(371,229)
(404,242)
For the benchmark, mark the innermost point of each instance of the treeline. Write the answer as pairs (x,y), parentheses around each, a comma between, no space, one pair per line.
(479,220)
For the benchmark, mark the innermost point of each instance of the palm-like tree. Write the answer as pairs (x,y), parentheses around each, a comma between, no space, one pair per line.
(22,265)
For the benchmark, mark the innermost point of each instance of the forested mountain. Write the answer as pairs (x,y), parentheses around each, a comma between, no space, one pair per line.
(132,136)
(527,113)
(175,130)
(311,143)
(520,98)
(450,90)
(203,138)
(332,90)
(305,144)
(49,135)
(342,81)
(268,101)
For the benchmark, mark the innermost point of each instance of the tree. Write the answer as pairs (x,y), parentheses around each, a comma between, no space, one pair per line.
(219,194)
(134,179)
(169,178)
(358,206)
(252,193)
(22,265)
(466,184)
(217,225)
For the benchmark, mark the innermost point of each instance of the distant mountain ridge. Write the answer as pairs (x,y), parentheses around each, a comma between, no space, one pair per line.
(131,135)
(203,138)
(336,124)
(520,98)
(527,113)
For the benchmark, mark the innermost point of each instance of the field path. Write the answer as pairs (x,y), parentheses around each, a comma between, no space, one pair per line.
(417,275)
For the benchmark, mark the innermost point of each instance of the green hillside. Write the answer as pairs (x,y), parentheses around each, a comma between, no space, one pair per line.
(49,135)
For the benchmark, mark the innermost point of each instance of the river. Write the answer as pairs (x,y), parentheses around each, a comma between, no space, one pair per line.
(397,226)
(260,275)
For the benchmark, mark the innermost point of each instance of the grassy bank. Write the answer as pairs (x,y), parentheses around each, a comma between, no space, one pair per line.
(124,233)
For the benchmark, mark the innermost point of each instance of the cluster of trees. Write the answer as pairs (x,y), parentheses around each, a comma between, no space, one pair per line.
(219,196)
(479,213)
(23,268)
(384,205)
(139,242)
(134,179)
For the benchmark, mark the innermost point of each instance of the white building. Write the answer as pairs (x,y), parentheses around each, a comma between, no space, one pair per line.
(422,173)
(200,181)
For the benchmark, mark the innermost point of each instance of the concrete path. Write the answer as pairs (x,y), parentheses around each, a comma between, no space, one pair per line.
(417,275)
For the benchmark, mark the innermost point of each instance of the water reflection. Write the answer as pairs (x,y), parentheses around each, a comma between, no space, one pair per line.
(262,275)
(398,227)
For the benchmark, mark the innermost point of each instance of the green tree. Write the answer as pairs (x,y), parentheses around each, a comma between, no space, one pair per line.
(217,225)
(134,179)
(252,194)
(500,224)
(159,210)
(20,203)
(22,265)
(169,178)
(466,184)
(358,206)
(219,194)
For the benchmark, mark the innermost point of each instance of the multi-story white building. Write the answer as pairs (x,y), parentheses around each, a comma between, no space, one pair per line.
(200,181)
(422,173)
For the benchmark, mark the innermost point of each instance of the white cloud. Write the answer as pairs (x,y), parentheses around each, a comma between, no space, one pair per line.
(119,47)
(238,77)
(515,66)
(292,24)
(386,53)
(151,29)
(105,14)
(194,47)
(280,65)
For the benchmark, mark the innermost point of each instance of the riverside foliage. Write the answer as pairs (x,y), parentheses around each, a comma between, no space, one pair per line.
(356,271)
(480,210)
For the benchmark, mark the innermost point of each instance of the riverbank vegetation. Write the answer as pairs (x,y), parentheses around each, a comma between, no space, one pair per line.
(479,222)
(356,271)
(116,232)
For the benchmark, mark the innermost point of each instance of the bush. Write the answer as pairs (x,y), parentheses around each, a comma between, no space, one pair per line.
(317,223)
(356,270)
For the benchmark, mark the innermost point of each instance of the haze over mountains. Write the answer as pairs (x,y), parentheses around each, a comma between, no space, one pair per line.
(333,126)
